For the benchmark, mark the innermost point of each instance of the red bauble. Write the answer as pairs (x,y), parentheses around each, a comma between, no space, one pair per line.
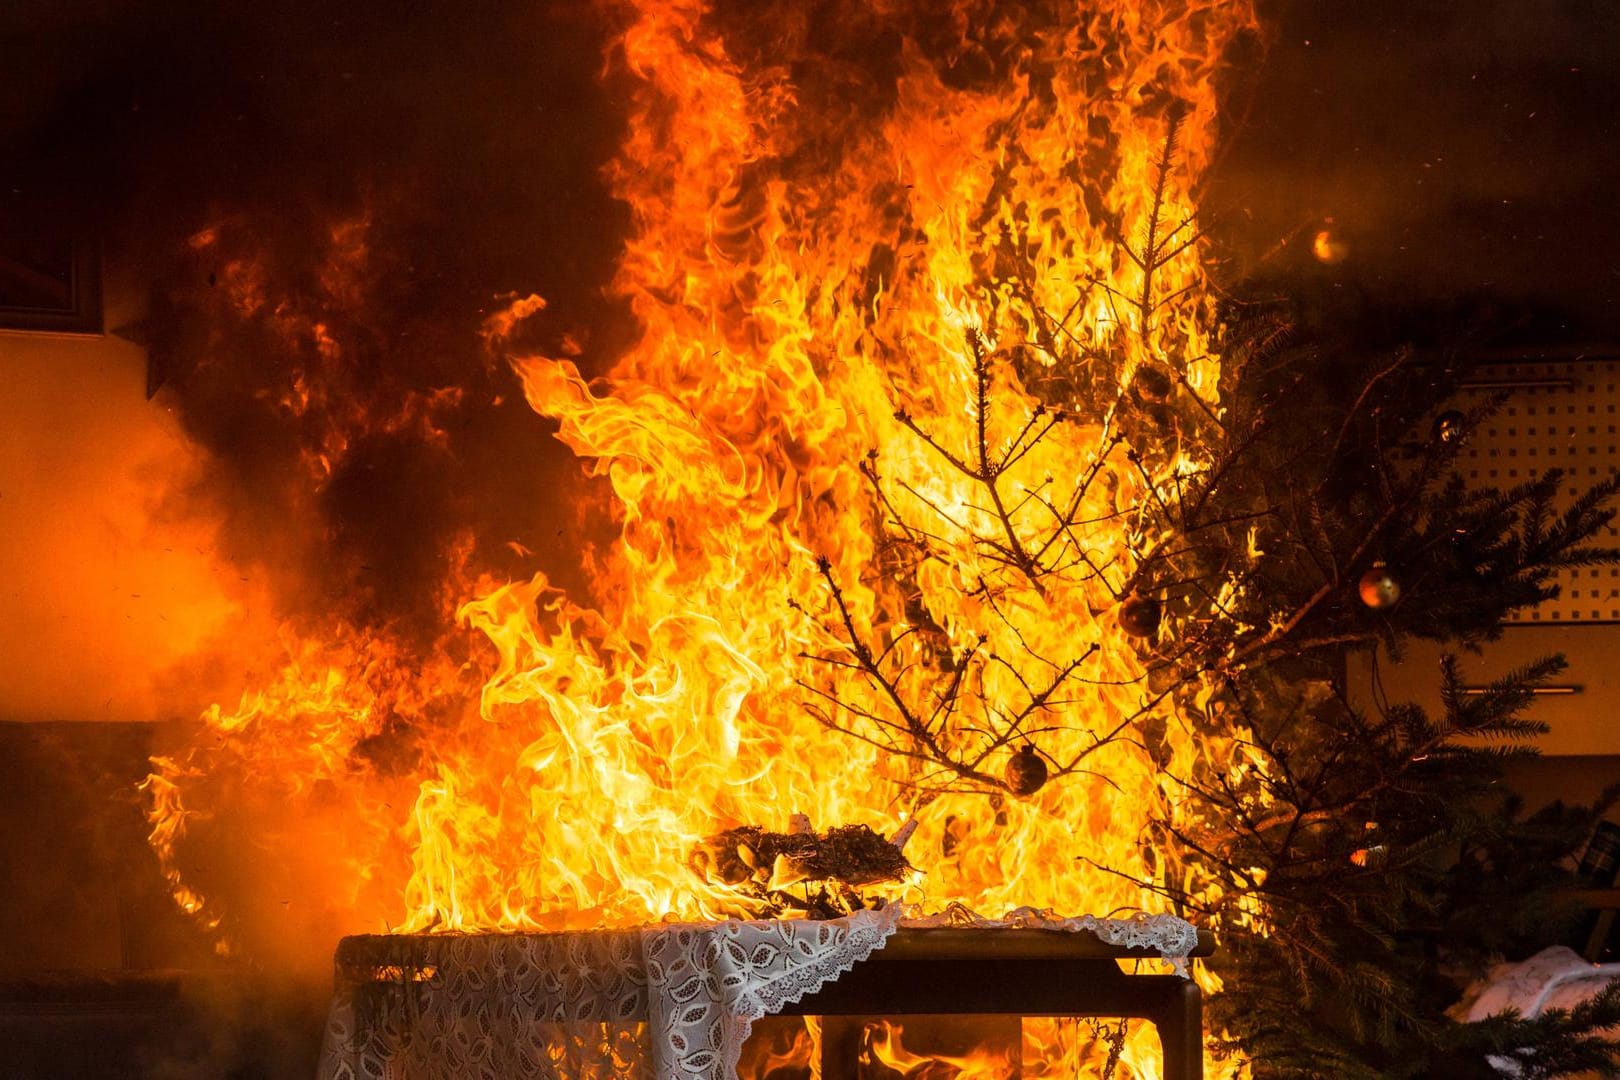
(1379,588)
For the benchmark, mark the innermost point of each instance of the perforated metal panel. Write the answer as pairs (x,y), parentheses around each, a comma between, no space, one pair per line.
(1559,415)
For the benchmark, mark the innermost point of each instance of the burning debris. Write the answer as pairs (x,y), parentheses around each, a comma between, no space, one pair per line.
(828,869)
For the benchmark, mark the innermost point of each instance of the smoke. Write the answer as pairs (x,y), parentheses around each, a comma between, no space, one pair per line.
(375,178)
(322,204)
(372,180)
(327,201)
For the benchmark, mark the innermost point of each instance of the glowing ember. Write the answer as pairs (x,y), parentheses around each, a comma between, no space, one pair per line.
(836,245)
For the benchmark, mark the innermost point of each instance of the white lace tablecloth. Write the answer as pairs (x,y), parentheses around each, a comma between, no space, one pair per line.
(669,1002)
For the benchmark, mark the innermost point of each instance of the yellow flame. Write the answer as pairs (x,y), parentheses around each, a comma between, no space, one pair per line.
(802,271)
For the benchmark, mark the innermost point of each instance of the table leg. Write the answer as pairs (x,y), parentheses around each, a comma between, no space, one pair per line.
(1181,1033)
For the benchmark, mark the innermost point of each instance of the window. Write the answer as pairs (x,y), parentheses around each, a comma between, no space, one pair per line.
(50,276)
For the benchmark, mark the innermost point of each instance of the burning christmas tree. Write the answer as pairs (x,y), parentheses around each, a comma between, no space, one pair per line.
(940,486)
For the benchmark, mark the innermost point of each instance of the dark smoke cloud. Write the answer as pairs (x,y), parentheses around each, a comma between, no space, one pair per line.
(1463,150)
(455,148)
(465,139)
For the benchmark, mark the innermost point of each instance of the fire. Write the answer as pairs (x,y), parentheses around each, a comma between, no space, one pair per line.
(782,1047)
(931,1048)
(835,246)
(886,1047)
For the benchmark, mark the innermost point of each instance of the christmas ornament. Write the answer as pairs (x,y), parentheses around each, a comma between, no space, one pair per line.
(1378,589)
(1374,854)
(1450,427)
(1026,771)
(1139,616)
(1328,247)
(1153,385)
(1370,857)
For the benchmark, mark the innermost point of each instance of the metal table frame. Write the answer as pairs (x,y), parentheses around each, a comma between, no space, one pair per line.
(1024,973)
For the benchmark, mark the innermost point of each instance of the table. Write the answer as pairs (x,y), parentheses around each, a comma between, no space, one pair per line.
(676,1001)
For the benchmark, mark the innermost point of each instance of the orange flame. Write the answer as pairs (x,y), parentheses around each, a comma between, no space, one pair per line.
(817,225)
(887,1047)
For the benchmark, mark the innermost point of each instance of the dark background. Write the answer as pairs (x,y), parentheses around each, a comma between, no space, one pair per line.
(1467,153)
(1462,148)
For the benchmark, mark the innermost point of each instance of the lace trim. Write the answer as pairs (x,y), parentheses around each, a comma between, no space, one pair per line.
(709,983)
(864,939)
(1172,938)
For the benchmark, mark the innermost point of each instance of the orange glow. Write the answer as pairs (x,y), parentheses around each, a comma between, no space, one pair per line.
(1328,248)
(112,583)
(800,277)
(886,1047)
(782,1047)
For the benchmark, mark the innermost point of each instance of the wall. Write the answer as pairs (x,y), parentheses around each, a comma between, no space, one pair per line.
(105,582)
(1563,413)
(1583,722)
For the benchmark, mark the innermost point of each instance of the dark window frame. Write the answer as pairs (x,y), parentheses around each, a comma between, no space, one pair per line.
(81,314)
